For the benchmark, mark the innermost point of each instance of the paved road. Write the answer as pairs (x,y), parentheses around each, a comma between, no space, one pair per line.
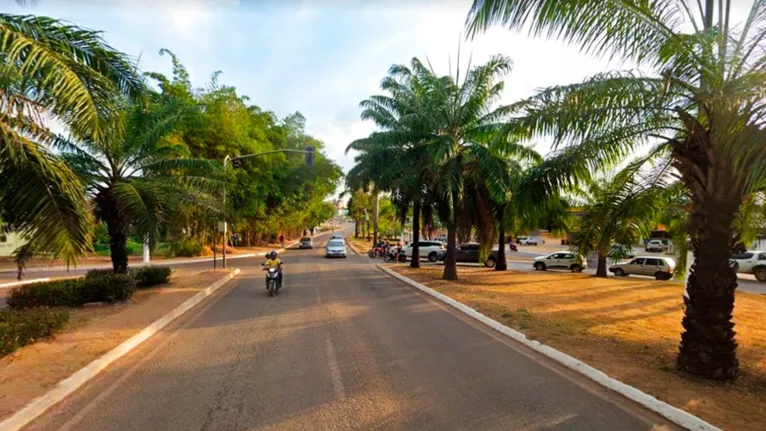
(343,346)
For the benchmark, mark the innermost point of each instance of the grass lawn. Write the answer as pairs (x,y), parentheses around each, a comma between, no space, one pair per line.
(627,327)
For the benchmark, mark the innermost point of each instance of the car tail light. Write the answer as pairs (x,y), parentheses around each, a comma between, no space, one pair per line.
(441,247)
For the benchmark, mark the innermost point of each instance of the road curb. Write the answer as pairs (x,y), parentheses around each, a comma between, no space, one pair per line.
(351,246)
(67,386)
(23,282)
(678,416)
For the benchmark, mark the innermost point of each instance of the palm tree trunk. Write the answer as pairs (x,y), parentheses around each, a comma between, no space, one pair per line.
(450,261)
(118,248)
(356,227)
(501,264)
(415,258)
(375,219)
(707,346)
(601,270)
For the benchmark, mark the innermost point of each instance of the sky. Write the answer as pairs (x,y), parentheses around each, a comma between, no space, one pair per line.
(318,57)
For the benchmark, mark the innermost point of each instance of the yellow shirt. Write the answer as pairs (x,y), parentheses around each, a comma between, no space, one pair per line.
(273,263)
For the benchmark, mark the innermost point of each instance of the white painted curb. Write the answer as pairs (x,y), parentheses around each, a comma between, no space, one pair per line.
(79,378)
(677,416)
(21,283)
(351,246)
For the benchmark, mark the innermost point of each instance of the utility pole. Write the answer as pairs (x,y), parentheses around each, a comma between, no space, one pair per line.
(309,159)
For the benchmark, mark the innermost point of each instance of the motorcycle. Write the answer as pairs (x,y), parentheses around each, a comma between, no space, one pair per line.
(272,279)
(377,252)
(395,255)
(514,247)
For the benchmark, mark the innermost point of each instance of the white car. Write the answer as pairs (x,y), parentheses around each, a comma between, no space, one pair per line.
(427,249)
(336,248)
(654,245)
(526,240)
(561,260)
(751,262)
(661,268)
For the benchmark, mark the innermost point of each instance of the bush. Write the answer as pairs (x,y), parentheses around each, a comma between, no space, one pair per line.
(148,276)
(19,328)
(184,248)
(59,293)
(105,286)
(99,285)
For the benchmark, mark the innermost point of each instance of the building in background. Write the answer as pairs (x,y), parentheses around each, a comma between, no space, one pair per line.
(9,242)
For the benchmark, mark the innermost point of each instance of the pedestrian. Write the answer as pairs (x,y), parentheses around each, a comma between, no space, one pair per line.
(282,239)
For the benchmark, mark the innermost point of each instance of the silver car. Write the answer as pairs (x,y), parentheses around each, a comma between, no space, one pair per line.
(660,268)
(336,248)
(306,242)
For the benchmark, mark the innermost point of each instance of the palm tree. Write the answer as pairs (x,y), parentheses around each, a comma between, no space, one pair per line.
(703,104)
(136,179)
(622,209)
(52,71)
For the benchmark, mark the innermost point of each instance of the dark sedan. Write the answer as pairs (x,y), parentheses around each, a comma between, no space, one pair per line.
(469,252)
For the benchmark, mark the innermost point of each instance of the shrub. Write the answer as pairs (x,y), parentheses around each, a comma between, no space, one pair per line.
(59,293)
(21,327)
(184,248)
(148,276)
(105,286)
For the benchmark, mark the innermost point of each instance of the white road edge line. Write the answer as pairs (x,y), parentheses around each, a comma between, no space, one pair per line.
(67,386)
(23,282)
(678,416)
(351,246)
(337,380)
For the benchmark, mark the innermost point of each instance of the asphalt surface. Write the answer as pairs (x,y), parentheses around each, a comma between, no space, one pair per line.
(342,346)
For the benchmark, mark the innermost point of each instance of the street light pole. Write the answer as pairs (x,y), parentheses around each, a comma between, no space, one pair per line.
(309,152)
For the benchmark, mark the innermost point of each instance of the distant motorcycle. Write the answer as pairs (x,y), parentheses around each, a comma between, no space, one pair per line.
(272,279)
(395,255)
(514,247)
(377,252)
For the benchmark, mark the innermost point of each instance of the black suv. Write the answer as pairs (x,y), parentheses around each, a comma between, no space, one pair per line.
(469,252)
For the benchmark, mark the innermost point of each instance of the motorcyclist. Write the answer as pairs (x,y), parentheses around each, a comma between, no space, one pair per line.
(272,261)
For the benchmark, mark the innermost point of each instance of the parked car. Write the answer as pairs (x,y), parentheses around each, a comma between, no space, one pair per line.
(441,238)
(336,248)
(306,242)
(526,240)
(654,245)
(660,268)
(469,252)
(428,249)
(332,237)
(751,262)
(561,260)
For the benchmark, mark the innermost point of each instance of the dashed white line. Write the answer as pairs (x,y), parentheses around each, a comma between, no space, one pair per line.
(337,380)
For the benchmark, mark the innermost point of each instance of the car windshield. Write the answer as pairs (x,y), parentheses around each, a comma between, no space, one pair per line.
(335,244)
(304,239)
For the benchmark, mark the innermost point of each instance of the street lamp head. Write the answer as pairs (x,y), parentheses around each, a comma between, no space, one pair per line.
(309,156)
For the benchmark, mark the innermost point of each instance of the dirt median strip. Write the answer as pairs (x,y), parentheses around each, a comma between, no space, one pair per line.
(628,328)
(36,377)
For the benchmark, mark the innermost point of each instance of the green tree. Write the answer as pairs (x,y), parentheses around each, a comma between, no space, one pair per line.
(136,182)
(703,104)
(621,209)
(53,71)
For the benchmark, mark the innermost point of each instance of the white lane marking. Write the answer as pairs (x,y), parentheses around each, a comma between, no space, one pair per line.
(319,299)
(337,380)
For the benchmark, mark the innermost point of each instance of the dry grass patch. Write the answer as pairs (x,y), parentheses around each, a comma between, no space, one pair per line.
(33,370)
(626,327)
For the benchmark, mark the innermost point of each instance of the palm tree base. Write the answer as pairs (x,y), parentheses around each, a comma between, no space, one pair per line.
(708,348)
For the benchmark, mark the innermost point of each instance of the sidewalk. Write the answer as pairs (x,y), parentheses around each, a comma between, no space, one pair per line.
(32,370)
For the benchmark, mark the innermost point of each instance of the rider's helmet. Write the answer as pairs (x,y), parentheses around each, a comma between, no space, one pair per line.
(273,255)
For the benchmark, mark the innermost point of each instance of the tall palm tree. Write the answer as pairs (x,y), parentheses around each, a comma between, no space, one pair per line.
(703,103)
(50,71)
(136,180)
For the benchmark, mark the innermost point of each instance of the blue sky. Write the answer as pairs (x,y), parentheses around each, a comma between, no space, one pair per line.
(321,57)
